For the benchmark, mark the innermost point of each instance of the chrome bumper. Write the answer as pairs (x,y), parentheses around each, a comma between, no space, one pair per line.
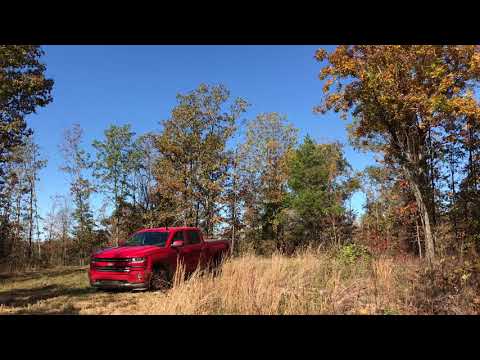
(115,284)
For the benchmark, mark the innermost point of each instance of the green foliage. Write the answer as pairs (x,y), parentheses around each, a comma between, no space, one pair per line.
(117,159)
(351,253)
(315,178)
(77,164)
(23,88)
(319,181)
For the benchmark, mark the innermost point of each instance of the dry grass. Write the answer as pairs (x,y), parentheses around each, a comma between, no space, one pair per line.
(309,283)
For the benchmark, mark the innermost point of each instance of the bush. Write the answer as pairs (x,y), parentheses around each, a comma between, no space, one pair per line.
(350,253)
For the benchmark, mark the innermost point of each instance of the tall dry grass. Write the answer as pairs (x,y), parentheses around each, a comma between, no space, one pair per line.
(309,283)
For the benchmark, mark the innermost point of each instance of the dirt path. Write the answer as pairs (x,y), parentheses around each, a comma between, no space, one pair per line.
(58,291)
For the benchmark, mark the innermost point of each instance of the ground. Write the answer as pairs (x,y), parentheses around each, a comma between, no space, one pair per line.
(309,283)
(57,291)
(312,282)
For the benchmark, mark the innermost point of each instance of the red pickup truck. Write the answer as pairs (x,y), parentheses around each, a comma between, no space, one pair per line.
(149,258)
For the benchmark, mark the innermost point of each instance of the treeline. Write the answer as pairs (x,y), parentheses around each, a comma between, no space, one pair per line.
(254,181)
(253,184)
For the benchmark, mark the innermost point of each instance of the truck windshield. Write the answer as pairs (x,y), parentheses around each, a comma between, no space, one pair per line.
(148,238)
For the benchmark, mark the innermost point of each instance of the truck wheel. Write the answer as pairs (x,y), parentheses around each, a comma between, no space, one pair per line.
(160,279)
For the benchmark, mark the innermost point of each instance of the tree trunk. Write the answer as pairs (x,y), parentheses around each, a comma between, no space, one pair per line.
(234,219)
(64,251)
(418,239)
(30,221)
(197,209)
(115,192)
(233,240)
(334,231)
(429,242)
(417,169)
(432,176)
(453,214)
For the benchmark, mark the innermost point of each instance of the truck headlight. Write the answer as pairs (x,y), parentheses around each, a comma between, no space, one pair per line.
(137,260)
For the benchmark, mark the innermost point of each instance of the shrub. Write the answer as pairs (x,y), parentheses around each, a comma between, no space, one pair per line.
(350,253)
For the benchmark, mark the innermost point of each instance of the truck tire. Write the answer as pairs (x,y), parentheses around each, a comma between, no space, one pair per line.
(160,279)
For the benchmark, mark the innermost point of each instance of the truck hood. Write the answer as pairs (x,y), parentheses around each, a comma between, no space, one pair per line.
(126,251)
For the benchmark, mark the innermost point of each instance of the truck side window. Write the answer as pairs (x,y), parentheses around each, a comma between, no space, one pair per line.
(193,237)
(178,236)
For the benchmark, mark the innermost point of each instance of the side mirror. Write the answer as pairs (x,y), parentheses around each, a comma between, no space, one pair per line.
(121,242)
(177,243)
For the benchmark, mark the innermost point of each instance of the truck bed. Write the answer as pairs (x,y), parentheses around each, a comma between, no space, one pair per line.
(216,244)
(211,240)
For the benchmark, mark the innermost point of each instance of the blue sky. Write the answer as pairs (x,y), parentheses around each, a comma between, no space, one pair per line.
(97,86)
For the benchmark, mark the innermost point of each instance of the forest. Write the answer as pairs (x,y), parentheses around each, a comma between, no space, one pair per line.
(259,184)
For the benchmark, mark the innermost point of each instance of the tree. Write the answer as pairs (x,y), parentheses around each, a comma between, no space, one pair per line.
(19,201)
(320,182)
(192,167)
(390,221)
(269,138)
(32,165)
(76,164)
(232,199)
(57,229)
(23,88)
(115,162)
(145,199)
(397,95)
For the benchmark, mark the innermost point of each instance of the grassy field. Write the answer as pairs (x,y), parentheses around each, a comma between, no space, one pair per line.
(309,283)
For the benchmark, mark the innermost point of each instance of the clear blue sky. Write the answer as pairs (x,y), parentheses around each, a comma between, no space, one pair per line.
(101,85)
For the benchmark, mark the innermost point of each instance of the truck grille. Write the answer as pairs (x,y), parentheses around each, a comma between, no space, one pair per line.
(117,265)
(112,269)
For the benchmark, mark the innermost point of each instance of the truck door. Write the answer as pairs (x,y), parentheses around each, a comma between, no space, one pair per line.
(192,250)
(182,251)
